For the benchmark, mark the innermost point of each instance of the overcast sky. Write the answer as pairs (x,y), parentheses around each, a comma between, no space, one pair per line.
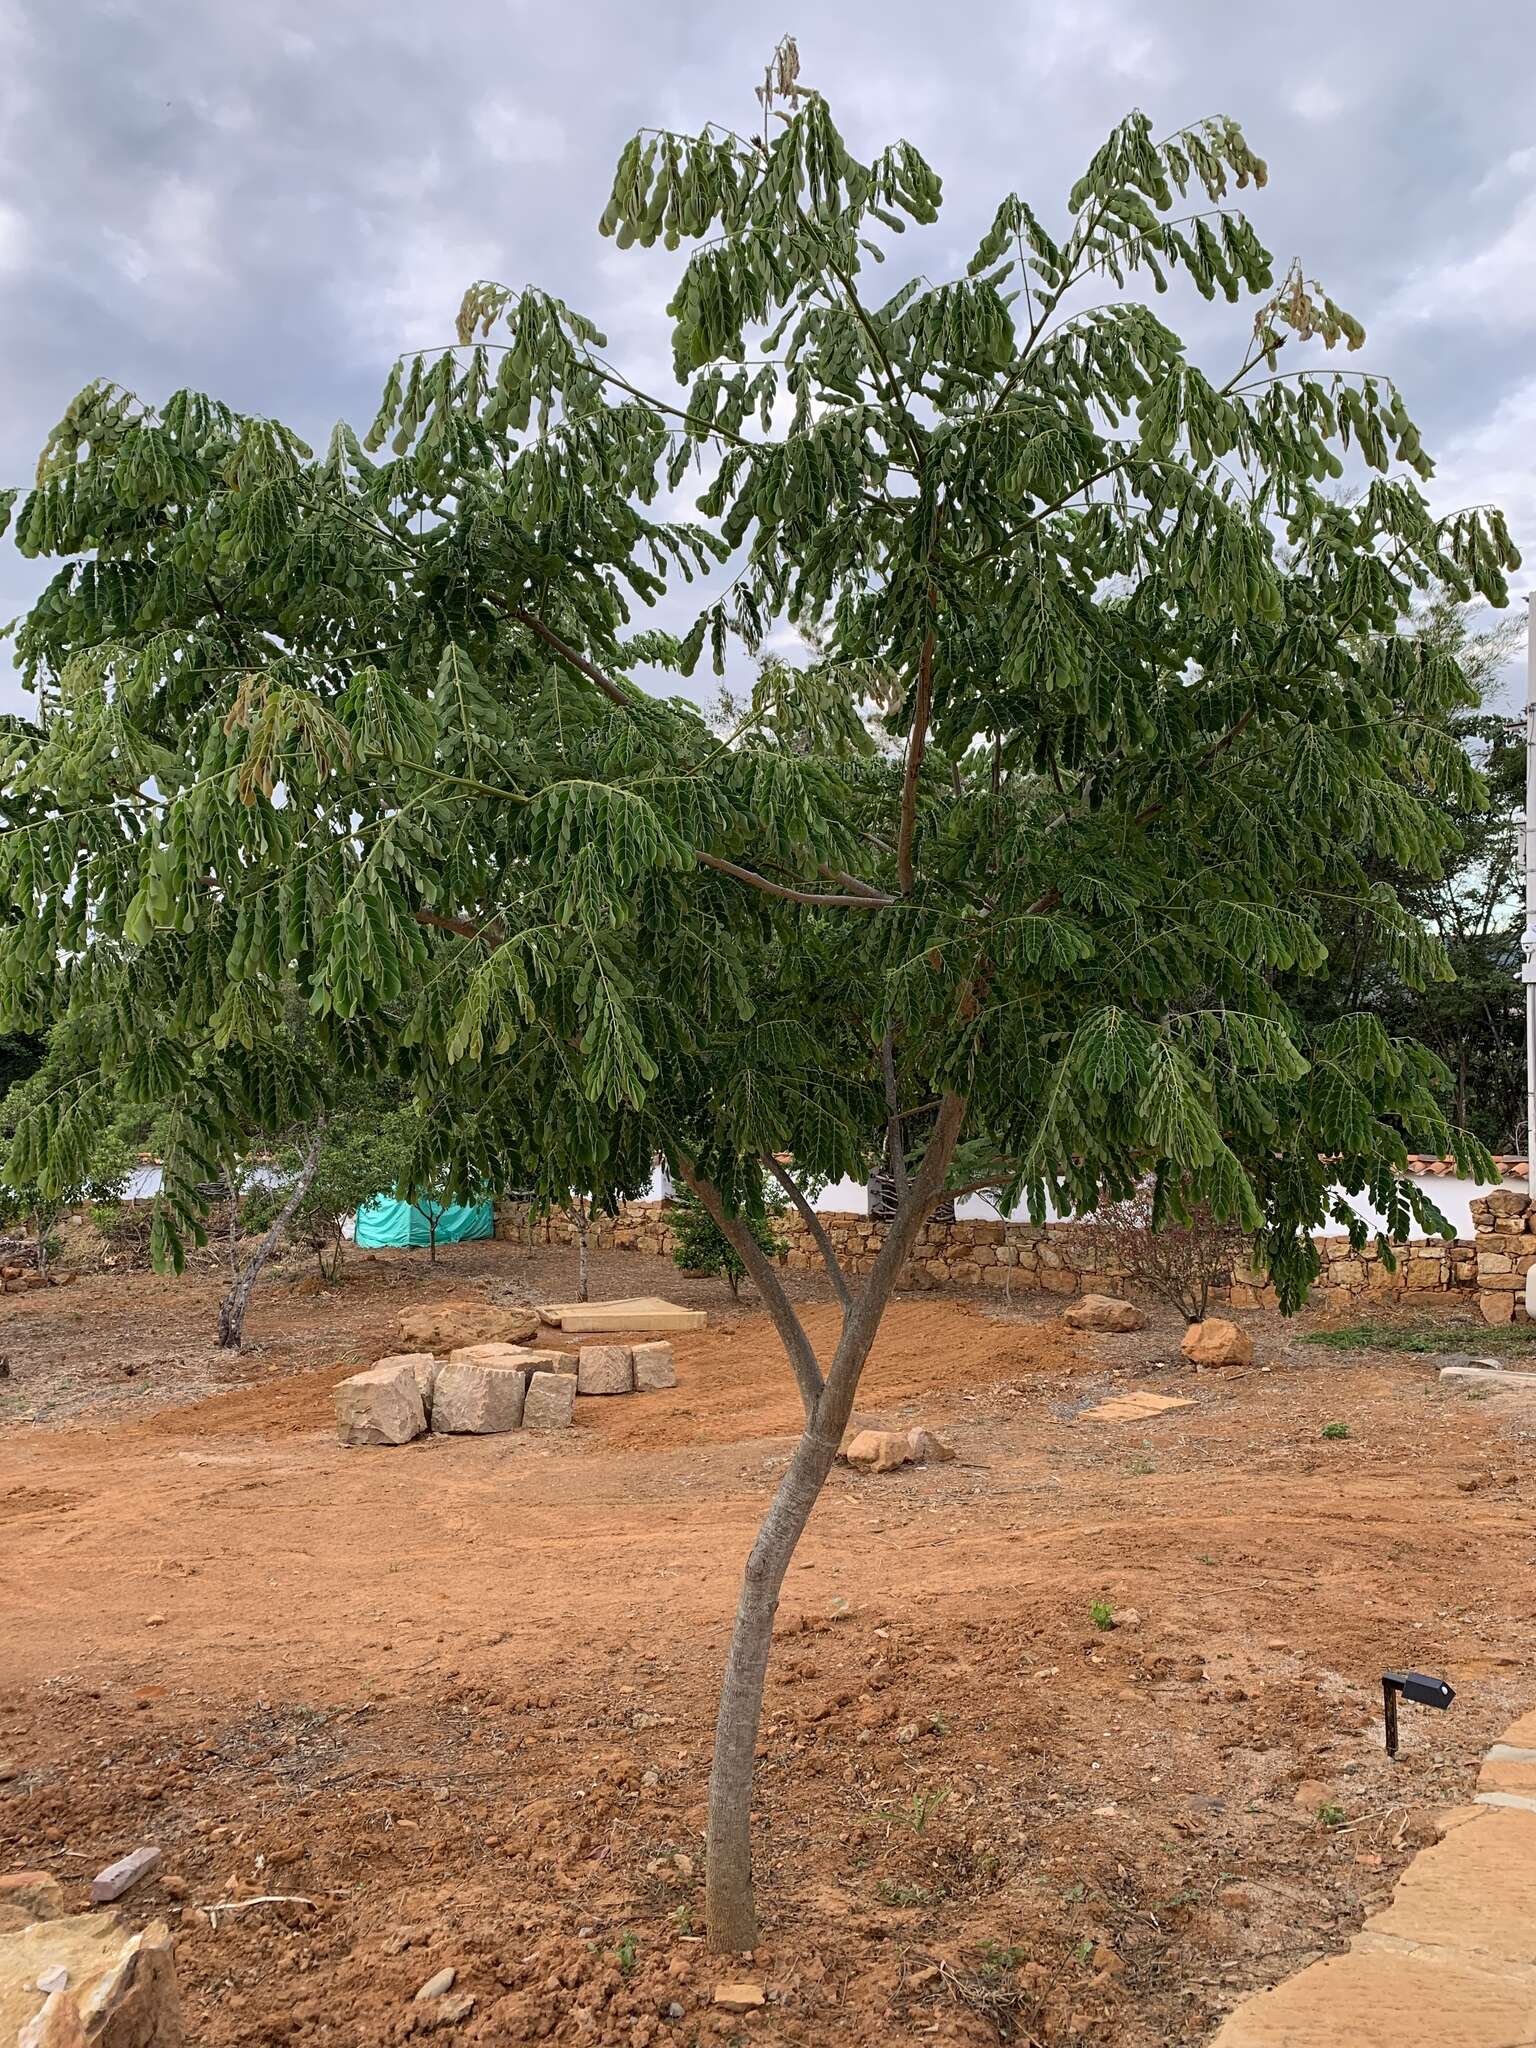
(269,200)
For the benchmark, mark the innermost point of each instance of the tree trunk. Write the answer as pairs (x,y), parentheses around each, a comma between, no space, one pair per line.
(583,1250)
(232,1308)
(730,1905)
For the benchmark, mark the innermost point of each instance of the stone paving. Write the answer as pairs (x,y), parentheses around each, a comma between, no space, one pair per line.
(1452,1959)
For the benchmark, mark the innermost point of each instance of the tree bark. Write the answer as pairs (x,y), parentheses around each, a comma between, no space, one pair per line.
(583,1253)
(232,1308)
(730,1905)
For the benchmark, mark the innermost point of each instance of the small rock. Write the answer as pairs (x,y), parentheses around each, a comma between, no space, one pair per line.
(878,1450)
(650,1778)
(452,2010)
(740,1997)
(928,1449)
(54,1979)
(121,1876)
(1217,1342)
(437,1986)
(154,1621)
(1103,1312)
(1127,1617)
(674,2011)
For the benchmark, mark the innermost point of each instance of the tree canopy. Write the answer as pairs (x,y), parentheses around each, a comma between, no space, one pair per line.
(368,723)
(365,725)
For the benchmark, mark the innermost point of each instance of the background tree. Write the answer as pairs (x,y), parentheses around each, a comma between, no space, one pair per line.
(1474,904)
(368,729)
(99,1172)
(366,1149)
(703,1247)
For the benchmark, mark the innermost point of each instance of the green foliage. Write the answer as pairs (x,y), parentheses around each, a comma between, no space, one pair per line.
(1335,1432)
(93,1162)
(1422,1337)
(1101,1614)
(700,1245)
(347,769)
(369,1147)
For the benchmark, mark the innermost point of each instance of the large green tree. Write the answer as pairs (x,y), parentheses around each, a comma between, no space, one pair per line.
(368,723)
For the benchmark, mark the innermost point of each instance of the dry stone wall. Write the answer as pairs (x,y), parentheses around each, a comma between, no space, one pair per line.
(1058,1258)
(1506,1250)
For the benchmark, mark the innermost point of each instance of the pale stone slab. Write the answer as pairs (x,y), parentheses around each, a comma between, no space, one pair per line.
(1490,1376)
(654,1369)
(380,1406)
(1384,1999)
(1137,1407)
(605,1369)
(551,1401)
(477,1400)
(639,1312)
(1474,1890)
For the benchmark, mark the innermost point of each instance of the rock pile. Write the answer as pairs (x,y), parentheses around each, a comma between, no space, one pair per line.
(488,1388)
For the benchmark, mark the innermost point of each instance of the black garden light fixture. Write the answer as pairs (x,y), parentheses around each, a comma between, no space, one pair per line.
(1413,1685)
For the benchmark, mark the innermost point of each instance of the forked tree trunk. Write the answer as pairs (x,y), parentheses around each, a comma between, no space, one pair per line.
(730,1904)
(232,1308)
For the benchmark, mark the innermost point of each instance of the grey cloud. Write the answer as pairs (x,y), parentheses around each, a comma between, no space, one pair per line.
(269,201)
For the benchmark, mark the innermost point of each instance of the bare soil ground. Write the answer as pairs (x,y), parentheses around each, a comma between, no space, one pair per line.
(458,1697)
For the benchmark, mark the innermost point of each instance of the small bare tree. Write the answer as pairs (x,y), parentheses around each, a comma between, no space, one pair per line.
(1180,1263)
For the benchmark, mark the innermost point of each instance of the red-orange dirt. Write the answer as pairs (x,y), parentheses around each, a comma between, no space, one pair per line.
(457,1698)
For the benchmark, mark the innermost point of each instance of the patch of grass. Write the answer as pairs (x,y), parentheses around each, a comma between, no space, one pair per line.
(1101,1614)
(996,1957)
(1335,1432)
(1330,1815)
(892,1894)
(625,1950)
(1423,1337)
(1138,1468)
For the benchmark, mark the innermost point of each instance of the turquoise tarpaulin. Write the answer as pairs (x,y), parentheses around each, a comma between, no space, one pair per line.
(385,1221)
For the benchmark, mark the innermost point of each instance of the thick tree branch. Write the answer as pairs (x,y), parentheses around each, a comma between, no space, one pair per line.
(568,654)
(917,746)
(895,1144)
(866,899)
(815,1226)
(760,1267)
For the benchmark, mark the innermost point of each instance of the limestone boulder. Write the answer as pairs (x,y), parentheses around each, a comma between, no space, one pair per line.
(423,1365)
(478,1399)
(119,1993)
(551,1401)
(1103,1312)
(547,1361)
(878,1450)
(445,1325)
(605,1369)
(380,1406)
(1217,1342)
(654,1369)
(489,1354)
(27,1896)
